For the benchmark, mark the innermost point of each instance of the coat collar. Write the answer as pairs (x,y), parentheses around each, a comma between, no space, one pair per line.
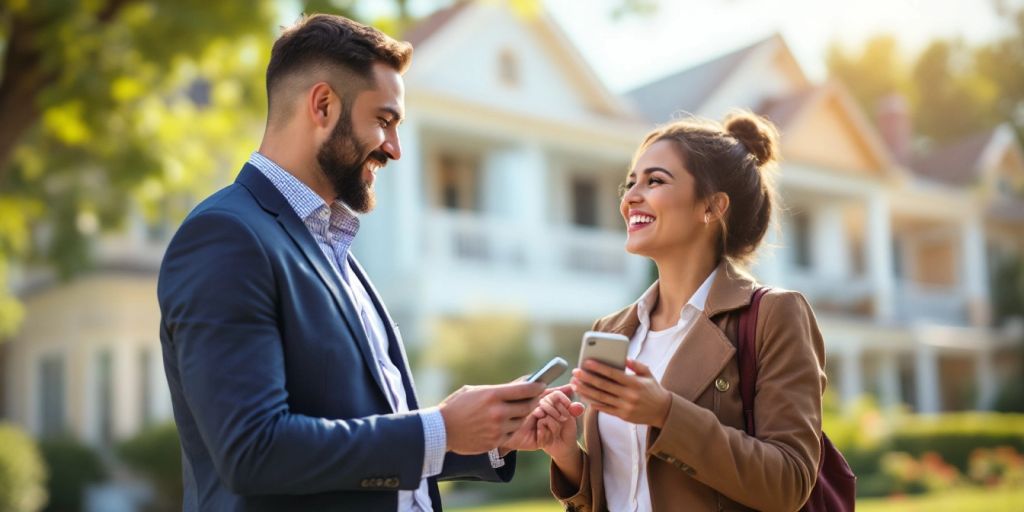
(731,290)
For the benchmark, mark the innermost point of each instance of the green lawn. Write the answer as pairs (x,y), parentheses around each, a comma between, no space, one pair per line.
(955,501)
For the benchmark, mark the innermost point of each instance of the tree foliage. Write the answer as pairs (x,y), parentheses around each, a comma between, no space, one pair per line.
(954,89)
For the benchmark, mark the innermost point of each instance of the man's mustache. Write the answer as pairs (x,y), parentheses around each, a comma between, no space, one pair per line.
(378,156)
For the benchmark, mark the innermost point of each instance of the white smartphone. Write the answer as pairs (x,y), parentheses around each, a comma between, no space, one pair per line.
(549,372)
(605,347)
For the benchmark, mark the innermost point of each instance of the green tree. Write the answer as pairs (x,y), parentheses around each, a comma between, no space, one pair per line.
(954,89)
(106,102)
(876,70)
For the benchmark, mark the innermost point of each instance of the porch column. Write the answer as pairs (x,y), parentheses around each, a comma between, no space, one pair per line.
(851,385)
(516,193)
(889,377)
(929,396)
(974,269)
(985,380)
(880,257)
(408,179)
(830,242)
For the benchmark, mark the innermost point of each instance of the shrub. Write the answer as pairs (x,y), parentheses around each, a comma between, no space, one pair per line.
(72,466)
(22,471)
(998,467)
(955,436)
(156,453)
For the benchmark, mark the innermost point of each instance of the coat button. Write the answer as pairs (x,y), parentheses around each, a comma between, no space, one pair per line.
(391,483)
(721,384)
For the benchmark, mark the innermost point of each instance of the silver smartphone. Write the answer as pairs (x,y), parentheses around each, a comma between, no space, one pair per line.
(549,372)
(605,347)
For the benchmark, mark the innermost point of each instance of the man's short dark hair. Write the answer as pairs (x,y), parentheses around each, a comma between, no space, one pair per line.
(342,48)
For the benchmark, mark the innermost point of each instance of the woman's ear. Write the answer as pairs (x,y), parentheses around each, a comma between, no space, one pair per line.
(717,206)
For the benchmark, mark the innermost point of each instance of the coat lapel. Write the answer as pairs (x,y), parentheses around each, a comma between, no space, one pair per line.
(271,200)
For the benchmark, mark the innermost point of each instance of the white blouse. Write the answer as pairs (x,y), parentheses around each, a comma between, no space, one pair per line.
(624,445)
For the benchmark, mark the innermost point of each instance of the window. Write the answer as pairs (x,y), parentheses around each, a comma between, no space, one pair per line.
(105,395)
(584,202)
(51,396)
(456,181)
(508,68)
(802,240)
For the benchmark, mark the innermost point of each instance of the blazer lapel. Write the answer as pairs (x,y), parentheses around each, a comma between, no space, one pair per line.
(396,347)
(272,200)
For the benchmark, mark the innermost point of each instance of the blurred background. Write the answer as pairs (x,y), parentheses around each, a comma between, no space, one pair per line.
(497,240)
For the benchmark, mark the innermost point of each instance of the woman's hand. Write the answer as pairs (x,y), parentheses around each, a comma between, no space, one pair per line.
(525,437)
(556,425)
(638,398)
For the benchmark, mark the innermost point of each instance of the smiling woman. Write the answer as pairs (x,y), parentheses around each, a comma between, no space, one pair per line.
(671,428)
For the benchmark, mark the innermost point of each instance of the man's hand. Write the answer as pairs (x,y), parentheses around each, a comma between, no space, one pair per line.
(478,419)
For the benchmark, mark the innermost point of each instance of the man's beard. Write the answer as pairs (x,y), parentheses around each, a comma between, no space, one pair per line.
(342,162)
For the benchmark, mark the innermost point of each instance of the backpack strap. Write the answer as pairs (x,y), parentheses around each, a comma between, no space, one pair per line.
(747,356)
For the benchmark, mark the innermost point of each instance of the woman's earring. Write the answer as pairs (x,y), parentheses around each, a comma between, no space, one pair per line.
(706,218)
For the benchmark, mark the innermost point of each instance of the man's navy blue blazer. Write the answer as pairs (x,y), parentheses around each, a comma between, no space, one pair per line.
(278,402)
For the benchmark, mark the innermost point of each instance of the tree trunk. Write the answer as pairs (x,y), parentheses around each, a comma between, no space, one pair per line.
(23,78)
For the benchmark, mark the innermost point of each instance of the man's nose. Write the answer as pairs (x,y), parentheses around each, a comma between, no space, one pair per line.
(392,147)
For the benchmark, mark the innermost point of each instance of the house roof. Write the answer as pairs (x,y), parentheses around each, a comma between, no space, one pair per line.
(784,109)
(433,23)
(955,164)
(686,90)
(431,29)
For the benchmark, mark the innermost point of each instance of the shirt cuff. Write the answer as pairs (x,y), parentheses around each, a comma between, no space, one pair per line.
(435,440)
(496,460)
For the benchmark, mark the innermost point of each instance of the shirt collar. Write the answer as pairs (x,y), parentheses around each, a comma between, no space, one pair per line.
(304,200)
(645,304)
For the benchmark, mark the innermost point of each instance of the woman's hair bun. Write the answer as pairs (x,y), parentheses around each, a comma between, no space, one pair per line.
(757,134)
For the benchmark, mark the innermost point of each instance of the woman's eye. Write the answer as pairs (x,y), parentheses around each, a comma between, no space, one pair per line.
(384,123)
(653,181)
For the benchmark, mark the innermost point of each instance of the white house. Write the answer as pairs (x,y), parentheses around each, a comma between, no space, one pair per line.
(505,200)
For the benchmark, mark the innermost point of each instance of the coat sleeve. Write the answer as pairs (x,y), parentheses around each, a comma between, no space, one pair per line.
(777,470)
(218,297)
(577,498)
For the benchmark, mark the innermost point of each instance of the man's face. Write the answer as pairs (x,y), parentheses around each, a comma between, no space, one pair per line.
(364,139)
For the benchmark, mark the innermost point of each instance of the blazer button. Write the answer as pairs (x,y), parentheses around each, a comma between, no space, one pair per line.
(391,483)
(364,483)
(721,384)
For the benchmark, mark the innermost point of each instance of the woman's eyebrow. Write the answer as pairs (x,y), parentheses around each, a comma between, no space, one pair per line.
(650,170)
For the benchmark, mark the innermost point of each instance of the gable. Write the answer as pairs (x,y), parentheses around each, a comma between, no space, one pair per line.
(1008,172)
(826,136)
(768,71)
(487,54)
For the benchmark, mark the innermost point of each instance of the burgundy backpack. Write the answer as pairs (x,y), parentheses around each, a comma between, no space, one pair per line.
(835,489)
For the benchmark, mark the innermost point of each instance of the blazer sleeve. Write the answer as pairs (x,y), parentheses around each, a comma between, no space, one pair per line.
(477,468)
(218,297)
(777,470)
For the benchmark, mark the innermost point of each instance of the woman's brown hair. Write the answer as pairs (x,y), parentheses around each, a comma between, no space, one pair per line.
(737,157)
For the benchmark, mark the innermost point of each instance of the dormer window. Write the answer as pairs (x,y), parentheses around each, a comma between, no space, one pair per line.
(508,68)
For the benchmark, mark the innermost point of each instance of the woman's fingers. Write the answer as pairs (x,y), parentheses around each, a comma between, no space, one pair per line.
(595,395)
(596,381)
(553,410)
(612,374)
(638,368)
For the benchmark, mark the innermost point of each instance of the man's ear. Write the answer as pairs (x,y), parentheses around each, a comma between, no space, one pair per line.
(319,102)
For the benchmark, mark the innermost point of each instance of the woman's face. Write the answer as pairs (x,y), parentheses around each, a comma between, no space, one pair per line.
(660,204)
